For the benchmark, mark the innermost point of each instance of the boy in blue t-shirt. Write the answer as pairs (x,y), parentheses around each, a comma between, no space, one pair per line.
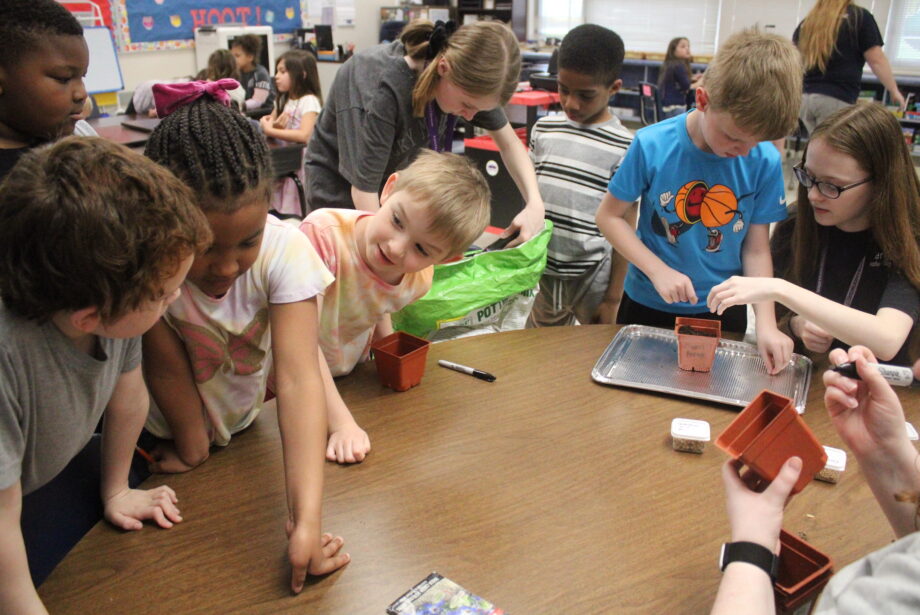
(710,187)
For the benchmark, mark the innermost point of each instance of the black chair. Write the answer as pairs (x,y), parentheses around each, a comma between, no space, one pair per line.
(649,104)
(286,161)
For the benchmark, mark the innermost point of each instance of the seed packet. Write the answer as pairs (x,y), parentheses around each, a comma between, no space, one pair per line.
(438,595)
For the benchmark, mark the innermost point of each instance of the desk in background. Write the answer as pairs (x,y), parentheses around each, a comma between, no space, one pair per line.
(112,128)
(287,158)
(543,492)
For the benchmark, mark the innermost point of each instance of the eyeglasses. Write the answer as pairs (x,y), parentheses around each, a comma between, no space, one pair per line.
(831,191)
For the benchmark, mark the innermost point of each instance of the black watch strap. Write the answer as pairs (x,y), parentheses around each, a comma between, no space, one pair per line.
(751,553)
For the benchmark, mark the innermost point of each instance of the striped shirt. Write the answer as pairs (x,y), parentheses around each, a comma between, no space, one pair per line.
(574,163)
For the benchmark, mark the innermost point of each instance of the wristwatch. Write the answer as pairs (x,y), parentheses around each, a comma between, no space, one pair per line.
(751,553)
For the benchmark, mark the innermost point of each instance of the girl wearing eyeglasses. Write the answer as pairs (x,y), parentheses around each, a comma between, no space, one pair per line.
(848,261)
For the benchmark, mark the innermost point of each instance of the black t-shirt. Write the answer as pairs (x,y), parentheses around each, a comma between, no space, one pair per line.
(880,285)
(857,34)
(9,158)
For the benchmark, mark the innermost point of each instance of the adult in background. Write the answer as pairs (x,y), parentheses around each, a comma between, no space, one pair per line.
(836,39)
(392,100)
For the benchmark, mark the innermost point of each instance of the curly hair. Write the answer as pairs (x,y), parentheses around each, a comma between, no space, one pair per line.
(216,151)
(25,23)
(89,223)
(250,43)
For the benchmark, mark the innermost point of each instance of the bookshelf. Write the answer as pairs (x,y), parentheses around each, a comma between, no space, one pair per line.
(512,12)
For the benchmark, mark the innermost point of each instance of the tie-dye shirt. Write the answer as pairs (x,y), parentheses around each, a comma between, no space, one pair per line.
(228,340)
(358,297)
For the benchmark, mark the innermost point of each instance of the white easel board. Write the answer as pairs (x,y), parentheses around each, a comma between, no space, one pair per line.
(104,73)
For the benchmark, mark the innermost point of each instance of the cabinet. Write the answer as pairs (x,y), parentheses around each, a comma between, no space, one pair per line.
(512,12)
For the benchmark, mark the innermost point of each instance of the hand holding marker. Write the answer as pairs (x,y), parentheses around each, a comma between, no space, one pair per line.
(472,371)
(893,374)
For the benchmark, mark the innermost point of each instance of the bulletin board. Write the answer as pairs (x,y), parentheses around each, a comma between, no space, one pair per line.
(104,72)
(146,25)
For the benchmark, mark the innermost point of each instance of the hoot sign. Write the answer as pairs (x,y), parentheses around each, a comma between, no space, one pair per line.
(151,21)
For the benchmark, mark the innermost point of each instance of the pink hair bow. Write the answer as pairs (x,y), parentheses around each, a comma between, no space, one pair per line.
(170,96)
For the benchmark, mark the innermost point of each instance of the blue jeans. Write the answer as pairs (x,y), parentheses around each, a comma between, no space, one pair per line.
(58,514)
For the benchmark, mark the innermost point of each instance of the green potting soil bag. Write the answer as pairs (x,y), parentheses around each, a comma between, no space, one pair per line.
(484,292)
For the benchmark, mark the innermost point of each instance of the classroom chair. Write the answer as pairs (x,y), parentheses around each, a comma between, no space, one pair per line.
(649,104)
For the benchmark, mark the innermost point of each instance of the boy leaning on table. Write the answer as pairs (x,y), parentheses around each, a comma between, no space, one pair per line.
(95,241)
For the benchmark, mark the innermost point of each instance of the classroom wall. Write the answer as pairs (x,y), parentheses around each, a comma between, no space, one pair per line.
(145,66)
(734,15)
(784,15)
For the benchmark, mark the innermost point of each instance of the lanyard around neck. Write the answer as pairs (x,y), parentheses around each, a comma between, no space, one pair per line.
(854,283)
(432,119)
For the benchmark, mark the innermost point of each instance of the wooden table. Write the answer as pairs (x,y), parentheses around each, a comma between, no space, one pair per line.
(111,128)
(544,492)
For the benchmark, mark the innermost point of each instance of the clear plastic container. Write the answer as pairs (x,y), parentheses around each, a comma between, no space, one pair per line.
(836,464)
(689,435)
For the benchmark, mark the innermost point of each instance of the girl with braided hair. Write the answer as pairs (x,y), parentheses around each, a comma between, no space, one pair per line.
(247,309)
(392,100)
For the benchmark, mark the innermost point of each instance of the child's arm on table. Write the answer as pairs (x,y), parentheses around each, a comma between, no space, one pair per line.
(774,345)
(883,333)
(302,422)
(613,218)
(271,128)
(870,419)
(530,220)
(348,443)
(17,593)
(172,384)
(607,310)
(123,419)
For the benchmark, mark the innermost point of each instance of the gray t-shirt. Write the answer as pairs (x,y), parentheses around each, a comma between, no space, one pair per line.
(882,582)
(51,396)
(366,130)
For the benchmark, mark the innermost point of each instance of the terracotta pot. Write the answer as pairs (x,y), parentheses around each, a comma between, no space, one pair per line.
(400,359)
(697,340)
(803,573)
(767,433)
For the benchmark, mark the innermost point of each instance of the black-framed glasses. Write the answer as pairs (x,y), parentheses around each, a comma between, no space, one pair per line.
(831,191)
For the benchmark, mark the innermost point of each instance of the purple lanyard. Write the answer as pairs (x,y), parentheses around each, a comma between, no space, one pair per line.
(854,283)
(432,119)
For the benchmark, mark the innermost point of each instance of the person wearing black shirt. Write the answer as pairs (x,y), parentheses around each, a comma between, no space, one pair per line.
(836,39)
(849,260)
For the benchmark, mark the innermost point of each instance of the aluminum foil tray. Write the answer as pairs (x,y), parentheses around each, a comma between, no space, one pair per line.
(646,358)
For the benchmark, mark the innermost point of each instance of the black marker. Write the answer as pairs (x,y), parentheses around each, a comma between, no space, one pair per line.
(893,374)
(476,373)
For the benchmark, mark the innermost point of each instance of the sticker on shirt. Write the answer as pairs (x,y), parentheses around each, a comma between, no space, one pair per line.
(240,354)
(696,202)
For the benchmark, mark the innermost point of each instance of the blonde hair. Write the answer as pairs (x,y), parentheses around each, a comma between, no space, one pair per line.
(818,34)
(455,193)
(484,60)
(757,79)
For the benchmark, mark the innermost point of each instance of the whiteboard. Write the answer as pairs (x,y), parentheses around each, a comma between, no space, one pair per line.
(104,73)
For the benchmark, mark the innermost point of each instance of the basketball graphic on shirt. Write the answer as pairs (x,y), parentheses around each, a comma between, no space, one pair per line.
(697,202)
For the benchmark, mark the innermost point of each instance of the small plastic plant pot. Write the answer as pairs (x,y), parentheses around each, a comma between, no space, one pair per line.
(400,359)
(803,573)
(697,340)
(767,433)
